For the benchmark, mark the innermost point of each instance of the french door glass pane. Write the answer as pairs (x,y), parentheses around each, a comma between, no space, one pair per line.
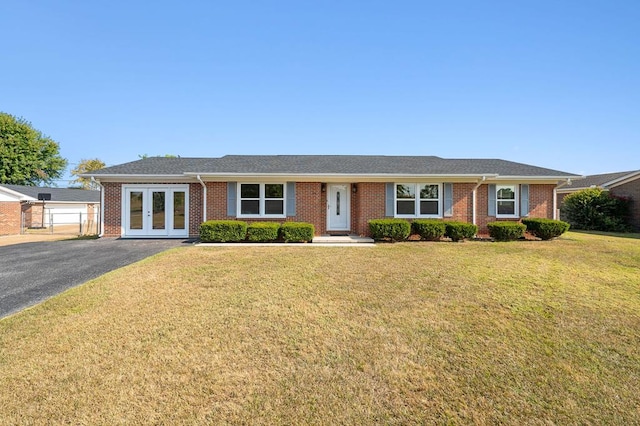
(135,210)
(158,210)
(178,210)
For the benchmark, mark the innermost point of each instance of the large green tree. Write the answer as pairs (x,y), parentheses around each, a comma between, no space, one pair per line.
(27,157)
(86,166)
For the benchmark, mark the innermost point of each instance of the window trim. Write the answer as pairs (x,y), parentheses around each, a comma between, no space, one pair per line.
(417,200)
(262,198)
(516,204)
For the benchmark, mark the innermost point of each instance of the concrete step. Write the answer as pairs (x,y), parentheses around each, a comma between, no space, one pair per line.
(342,239)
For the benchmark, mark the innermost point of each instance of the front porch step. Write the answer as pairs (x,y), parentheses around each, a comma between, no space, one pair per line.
(342,239)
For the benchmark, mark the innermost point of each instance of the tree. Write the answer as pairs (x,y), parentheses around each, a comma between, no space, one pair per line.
(596,210)
(87,166)
(143,156)
(27,157)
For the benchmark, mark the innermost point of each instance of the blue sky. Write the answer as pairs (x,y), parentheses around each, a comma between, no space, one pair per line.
(550,83)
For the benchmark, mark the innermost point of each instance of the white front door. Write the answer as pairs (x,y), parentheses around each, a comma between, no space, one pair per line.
(155,211)
(338,211)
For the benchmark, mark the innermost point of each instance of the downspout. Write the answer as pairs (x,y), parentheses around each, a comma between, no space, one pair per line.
(101,232)
(204,198)
(473,199)
(555,197)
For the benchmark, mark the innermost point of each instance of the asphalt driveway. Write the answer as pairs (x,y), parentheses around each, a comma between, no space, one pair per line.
(33,272)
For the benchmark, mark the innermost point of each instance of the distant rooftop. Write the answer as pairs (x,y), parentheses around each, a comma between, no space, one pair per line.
(57,194)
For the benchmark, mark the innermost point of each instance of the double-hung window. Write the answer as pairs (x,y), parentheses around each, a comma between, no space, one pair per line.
(418,200)
(506,205)
(261,200)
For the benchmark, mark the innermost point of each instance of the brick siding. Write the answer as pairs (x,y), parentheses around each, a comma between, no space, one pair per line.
(630,189)
(10,217)
(367,202)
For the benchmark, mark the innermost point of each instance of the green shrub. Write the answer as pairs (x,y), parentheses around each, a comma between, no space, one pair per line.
(546,229)
(260,232)
(390,229)
(297,232)
(506,230)
(428,229)
(223,231)
(597,210)
(459,231)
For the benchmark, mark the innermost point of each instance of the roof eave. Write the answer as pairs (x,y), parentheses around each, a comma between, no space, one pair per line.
(622,180)
(336,177)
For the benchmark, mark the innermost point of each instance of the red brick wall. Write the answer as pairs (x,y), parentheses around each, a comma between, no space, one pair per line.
(462,202)
(631,189)
(195,209)
(311,205)
(368,203)
(112,209)
(540,204)
(32,215)
(10,213)
(541,201)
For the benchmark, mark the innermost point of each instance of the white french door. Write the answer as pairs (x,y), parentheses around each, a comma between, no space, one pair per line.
(155,211)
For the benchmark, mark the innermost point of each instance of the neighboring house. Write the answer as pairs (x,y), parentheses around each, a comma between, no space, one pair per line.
(171,197)
(621,184)
(38,207)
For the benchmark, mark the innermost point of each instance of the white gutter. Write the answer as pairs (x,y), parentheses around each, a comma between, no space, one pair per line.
(204,198)
(555,197)
(101,233)
(473,199)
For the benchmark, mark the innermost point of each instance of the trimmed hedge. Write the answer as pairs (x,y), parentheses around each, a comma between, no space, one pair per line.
(506,230)
(223,231)
(391,229)
(261,232)
(297,232)
(546,229)
(428,229)
(459,231)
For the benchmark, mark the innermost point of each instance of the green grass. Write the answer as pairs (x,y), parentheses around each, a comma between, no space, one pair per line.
(409,333)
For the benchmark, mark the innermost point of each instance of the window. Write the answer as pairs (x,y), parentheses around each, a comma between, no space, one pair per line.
(261,199)
(418,200)
(506,205)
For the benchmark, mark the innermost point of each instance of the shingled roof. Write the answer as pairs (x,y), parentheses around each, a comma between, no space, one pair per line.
(57,194)
(327,165)
(603,180)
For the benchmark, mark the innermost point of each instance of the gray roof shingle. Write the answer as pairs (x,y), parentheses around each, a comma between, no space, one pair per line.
(602,179)
(58,194)
(328,164)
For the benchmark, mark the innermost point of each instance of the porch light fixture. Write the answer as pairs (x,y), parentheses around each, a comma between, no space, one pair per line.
(323,187)
(354,188)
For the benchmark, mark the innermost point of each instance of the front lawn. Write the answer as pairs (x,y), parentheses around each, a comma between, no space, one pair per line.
(408,333)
